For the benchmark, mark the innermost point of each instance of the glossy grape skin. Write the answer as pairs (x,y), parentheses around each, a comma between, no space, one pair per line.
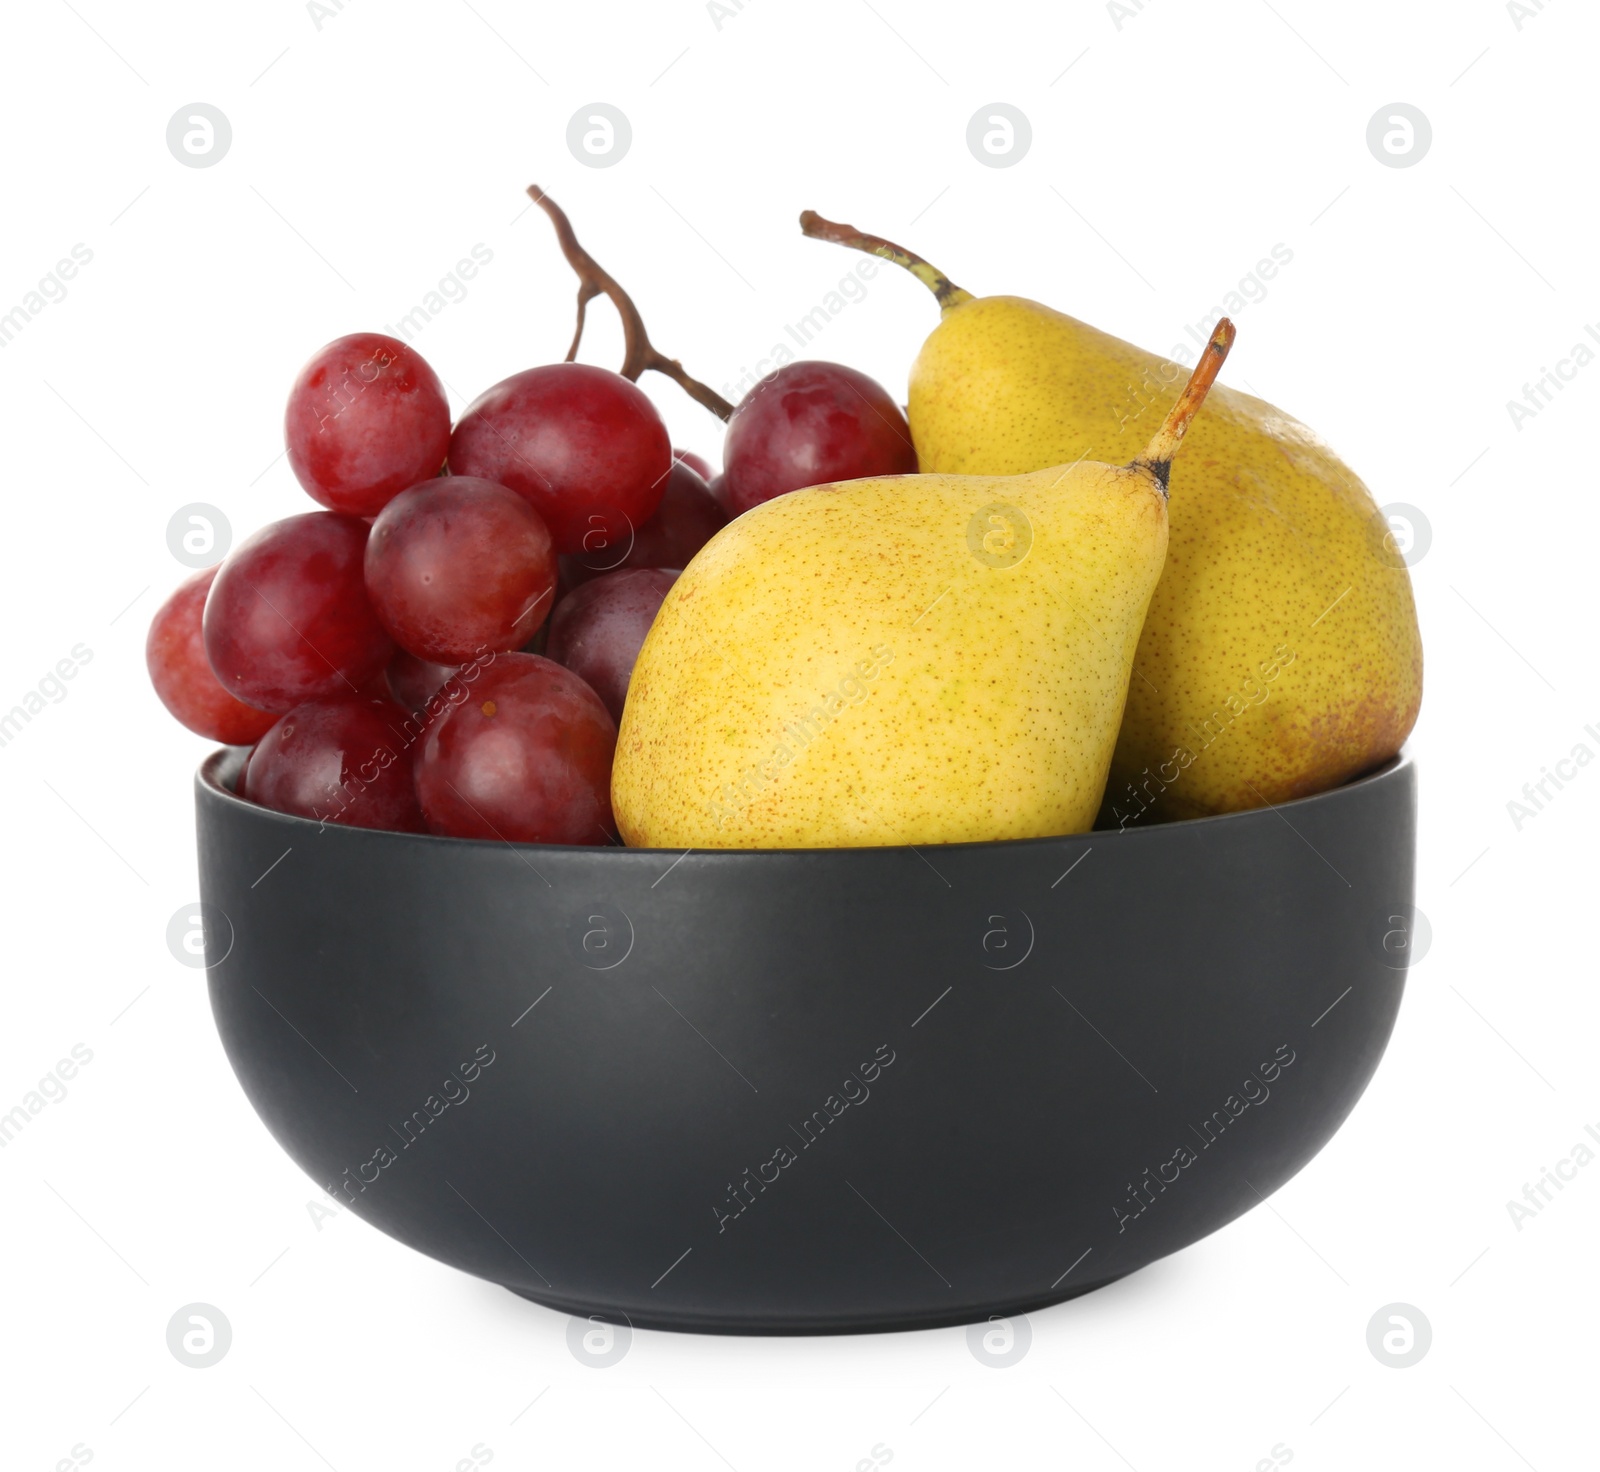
(343,760)
(583,445)
(697,463)
(414,681)
(175,655)
(599,628)
(367,417)
(687,518)
(288,617)
(718,486)
(809,423)
(526,757)
(459,567)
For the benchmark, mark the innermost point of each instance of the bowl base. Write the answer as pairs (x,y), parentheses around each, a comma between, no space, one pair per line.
(720,1324)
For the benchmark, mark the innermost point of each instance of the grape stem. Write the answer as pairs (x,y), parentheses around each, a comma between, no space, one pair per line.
(639,352)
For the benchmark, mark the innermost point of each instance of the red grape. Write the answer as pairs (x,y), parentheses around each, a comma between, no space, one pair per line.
(718,486)
(584,445)
(460,567)
(339,760)
(175,654)
(367,417)
(288,617)
(414,681)
(526,757)
(686,520)
(808,424)
(697,463)
(599,628)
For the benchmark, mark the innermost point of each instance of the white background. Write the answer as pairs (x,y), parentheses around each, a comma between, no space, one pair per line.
(1169,154)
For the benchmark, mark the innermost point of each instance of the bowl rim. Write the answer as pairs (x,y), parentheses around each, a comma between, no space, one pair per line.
(210,779)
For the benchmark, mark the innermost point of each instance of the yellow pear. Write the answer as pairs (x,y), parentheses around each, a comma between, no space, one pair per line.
(902,659)
(1281,654)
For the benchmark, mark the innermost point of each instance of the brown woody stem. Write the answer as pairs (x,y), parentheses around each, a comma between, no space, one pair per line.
(639,352)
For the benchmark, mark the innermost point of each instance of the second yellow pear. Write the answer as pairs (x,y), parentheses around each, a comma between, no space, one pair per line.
(1280,655)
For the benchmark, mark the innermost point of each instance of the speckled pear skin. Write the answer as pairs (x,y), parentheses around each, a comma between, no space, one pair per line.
(908,660)
(1281,654)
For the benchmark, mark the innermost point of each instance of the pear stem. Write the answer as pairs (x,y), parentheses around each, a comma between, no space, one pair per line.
(1157,457)
(949,294)
(639,352)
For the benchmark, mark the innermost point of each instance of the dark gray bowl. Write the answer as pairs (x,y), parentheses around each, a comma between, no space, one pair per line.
(814,1091)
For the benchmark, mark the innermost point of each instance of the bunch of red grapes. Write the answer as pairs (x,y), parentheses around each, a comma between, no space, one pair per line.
(446,648)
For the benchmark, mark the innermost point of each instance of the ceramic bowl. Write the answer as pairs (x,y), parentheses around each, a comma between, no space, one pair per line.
(808,1091)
